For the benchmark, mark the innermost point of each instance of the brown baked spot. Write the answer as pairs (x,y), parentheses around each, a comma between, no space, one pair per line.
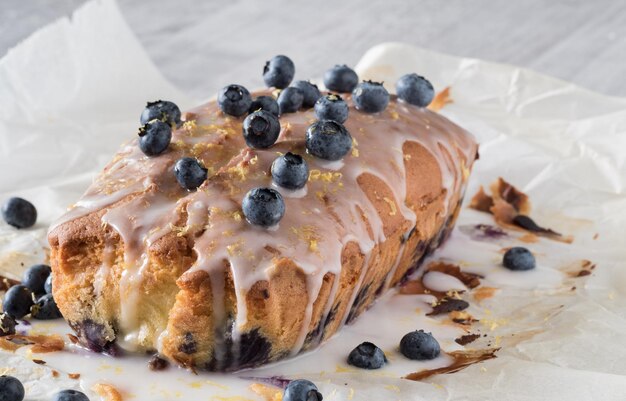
(580,268)
(511,209)
(467,339)
(107,392)
(469,279)
(462,359)
(447,305)
(483,293)
(441,99)
(40,344)
(6,283)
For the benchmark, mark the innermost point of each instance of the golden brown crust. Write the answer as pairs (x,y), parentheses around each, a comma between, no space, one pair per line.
(176,305)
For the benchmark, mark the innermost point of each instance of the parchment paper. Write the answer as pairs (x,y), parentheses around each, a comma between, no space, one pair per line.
(72,92)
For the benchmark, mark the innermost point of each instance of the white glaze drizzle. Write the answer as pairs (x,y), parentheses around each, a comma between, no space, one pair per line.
(310,234)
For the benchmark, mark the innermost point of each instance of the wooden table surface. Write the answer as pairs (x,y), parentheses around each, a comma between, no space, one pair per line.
(201,45)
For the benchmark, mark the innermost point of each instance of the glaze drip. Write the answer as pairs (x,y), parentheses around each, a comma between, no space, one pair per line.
(144,203)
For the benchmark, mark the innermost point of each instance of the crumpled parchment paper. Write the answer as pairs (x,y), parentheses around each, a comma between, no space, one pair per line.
(72,93)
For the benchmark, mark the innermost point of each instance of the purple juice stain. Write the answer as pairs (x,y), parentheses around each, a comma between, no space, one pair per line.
(483,232)
(276,381)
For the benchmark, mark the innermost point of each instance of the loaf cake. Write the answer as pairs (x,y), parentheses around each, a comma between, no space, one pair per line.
(142,264)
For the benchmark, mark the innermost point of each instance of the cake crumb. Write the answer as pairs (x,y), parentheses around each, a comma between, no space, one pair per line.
(267,392)
(441,100)
(467,339)
(107,392)
(483,293)
(393,388)
(529,238)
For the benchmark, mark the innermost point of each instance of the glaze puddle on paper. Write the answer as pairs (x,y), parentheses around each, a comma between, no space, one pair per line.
(384,324)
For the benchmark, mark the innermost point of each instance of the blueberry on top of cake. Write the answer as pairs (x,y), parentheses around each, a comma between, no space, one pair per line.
(258,226)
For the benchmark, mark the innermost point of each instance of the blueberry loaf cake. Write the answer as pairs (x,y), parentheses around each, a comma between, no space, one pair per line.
(255,226)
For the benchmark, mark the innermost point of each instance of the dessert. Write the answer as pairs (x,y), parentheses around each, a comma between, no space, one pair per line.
(241,270)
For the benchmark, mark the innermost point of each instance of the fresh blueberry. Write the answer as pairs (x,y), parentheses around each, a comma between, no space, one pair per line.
(290,100)
(310,91)
(278,72)
(261,129)
(267,103)
(415,90)
(154,137)
(11,389)
(7,325)
(367,356)
(70,395)
(17,301)
(331,107)
(263,207)
(190,173)
(290,171)
(19,213)
(46,308)
(328,140)
(35,278)
(419,346)
(341,78)
(301,390)
(518,259)
(161,110)
(234,100)
(370,97)
(48,285)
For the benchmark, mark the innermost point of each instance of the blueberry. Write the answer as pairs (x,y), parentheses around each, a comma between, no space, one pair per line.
(35,278)
(290,100)
(234,100)
(263,207)
(518,259)
(370,97)
(19,213)
(301,390)
(290,171)
(331,107)
(367,356)
(267,103)
(70,395)
(261,129)
(278,72)
(48,285)
(415,90)
(328,140)
(46,308)
(11,389)
(419,345)
(161,110)
(154,137)
(7,325)
(310,91)
(341,78)
(17,301)
(190,173)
